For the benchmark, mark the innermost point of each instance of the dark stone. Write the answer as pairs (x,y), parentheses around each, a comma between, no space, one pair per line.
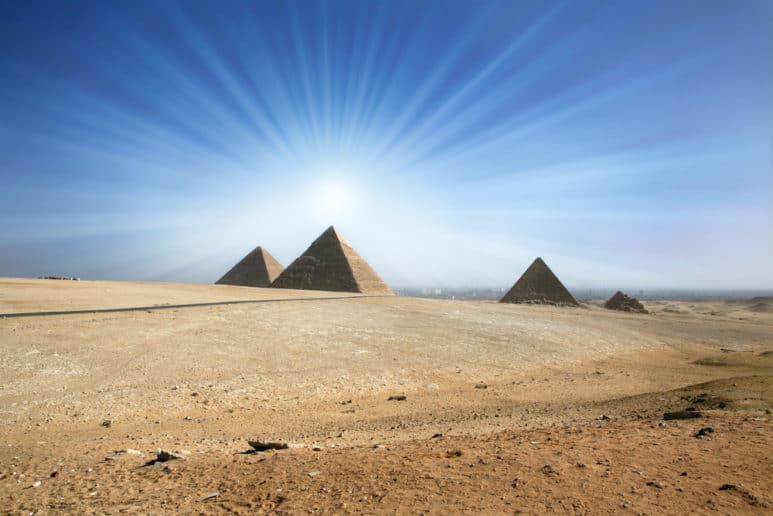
(682,414)
(259,446)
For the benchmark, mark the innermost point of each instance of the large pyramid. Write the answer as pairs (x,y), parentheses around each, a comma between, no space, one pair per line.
(330,263)
(257,269)
(538,285)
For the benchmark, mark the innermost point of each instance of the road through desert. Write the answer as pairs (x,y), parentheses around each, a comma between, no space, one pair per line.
(507,408)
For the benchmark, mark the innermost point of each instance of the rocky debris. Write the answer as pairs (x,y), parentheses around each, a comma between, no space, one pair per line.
(452,454)
(656,483)
(662,424)
(345,402)
(106,423)
(260,446)
(625,303)
(54,474)
(547,469)
(36,483)
(604,417)
(481,385)
(161,457)
(129,451)
(435,436)
(704,432)
(65,278)
(748,496)
(398,397)
(682,414)
(314,473)
(208,496)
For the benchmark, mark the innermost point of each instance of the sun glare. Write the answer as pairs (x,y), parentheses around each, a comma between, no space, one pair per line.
(333,198)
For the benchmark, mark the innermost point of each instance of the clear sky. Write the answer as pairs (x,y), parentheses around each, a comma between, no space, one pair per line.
(627,143)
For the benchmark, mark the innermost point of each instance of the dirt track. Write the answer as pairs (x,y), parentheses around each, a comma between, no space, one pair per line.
(202,380)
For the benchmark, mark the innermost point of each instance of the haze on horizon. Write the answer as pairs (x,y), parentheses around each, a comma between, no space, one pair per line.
(449,142)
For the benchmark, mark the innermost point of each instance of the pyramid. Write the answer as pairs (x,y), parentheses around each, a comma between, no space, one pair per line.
(257,269)
(330,263)
(625,303)
(538,285)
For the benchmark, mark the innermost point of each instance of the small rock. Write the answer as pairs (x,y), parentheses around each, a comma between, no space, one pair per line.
(662,424)
(106,423)
(451,454)
(36,483)
(655,483)
(604,418)
(728,487)
(162,456)
(481,386)
(129,451)
(54,474)
(705,431)
(398,397)
(435,436)
(581,465)
(260,446)
(547,469)
(345,402)
(682,414)
(208,496)
(313,473)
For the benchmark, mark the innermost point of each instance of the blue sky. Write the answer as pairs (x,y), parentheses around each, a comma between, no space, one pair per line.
(627,143)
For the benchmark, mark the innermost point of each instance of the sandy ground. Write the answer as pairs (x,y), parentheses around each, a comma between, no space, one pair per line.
(540,409)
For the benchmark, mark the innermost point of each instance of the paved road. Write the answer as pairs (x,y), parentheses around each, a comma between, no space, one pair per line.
(167,307)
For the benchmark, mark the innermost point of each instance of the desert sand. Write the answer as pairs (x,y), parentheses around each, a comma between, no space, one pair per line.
(508,408)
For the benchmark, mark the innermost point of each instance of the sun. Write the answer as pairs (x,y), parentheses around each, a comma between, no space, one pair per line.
(334,198)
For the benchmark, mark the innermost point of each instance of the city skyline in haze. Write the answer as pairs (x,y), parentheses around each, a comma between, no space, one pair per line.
(450,143)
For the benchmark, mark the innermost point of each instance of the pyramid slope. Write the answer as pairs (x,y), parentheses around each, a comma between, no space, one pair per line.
(538,285)
(257,269)
(621,301)
(331,263)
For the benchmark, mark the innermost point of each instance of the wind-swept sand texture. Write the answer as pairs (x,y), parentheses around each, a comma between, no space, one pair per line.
(540,408)
(257,269)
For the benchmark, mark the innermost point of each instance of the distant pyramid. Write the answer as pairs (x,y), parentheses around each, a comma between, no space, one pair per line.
(257,269)
(538,285)
(330,263)
(625,303)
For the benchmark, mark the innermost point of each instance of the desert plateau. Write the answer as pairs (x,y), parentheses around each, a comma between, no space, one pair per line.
(387,404)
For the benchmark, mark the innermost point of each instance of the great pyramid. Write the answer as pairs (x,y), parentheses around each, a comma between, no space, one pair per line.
(538,285)
(625,303)
(257,269)
(330,263)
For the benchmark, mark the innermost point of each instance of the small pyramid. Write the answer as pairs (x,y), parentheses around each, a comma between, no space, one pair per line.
(330,263)
(538,285)
(257,269)
(625,303)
